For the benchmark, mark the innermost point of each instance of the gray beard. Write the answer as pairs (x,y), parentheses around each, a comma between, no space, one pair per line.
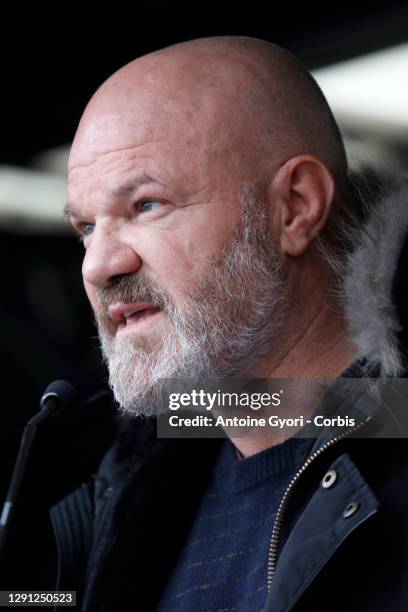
(225,328)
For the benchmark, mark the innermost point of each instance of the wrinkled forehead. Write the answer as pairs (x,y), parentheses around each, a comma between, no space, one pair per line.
(149,113)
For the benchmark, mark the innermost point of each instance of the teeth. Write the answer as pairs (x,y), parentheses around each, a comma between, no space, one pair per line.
(133,314)
(130,314)
(137,314)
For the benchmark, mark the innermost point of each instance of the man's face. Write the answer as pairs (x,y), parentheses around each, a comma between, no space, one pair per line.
(179,266)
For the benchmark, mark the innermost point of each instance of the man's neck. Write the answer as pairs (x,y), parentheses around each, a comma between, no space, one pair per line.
(320,350)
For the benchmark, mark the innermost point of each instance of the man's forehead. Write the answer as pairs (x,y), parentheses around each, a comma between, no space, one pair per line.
(105,133)
(157,127)
(171,101)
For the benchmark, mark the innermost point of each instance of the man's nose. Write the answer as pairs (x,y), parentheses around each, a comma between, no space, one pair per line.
(107,256)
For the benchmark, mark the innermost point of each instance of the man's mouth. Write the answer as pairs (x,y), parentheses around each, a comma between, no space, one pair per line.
(128,317)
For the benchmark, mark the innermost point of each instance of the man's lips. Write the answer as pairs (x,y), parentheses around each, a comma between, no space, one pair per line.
(126,315)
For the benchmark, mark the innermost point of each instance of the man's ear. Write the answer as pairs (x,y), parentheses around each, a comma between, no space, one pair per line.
(303,190)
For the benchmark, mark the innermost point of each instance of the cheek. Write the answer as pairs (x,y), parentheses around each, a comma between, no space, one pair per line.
(177,264)
(172,267)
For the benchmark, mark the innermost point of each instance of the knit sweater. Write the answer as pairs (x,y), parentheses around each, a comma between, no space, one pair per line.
(223,565)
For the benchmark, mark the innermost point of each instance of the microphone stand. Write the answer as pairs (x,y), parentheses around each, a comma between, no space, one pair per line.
(57,394)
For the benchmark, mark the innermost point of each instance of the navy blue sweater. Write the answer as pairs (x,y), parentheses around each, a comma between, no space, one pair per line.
(223,565)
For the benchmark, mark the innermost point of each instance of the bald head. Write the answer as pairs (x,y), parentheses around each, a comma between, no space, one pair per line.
(241,95)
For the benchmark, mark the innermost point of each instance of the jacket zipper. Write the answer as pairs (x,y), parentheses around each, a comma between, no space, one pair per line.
(273,547)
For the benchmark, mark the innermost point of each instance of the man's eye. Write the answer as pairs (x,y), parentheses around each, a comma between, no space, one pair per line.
(86,229)
(147,205)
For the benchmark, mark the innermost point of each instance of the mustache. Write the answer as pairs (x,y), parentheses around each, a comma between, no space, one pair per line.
(129,288)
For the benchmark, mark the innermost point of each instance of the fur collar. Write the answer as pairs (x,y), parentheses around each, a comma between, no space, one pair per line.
(374,283)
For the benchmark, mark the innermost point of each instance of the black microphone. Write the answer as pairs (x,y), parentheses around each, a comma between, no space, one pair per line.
(58,395)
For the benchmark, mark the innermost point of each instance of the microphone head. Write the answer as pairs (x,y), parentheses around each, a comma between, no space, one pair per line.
(59,393)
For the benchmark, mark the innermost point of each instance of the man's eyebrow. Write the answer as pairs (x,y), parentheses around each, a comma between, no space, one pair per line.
(131,186)
(118,192)
(68,212)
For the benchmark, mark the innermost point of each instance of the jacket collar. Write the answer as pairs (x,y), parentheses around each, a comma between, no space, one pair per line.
(373,285)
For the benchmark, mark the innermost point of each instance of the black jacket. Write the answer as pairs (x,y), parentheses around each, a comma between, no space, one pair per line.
(121,534)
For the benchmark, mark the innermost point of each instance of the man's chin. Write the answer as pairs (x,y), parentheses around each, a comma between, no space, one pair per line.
(148,403)
(134,386)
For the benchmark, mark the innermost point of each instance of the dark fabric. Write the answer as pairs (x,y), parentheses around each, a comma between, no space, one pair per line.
(325,560)
(143,523)
(143,517)
(72,522)
(146,493)
(224,561)
(315,539)
(367,572)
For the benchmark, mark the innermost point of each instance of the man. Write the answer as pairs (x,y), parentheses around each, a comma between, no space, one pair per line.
(208,182)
